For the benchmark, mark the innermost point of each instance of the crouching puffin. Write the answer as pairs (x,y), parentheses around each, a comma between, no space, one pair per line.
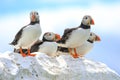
(74,37)
(88,45)
(28,35)
(48,44)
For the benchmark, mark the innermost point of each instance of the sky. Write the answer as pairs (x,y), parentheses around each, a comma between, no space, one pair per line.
(56,15)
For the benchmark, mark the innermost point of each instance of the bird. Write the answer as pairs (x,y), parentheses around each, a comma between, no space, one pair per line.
(48,44)
(86,47)
(74,37)
(28,35)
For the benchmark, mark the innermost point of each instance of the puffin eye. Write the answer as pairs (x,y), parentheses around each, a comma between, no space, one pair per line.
(37,13)
(90,34)
(49,34)
(85,17)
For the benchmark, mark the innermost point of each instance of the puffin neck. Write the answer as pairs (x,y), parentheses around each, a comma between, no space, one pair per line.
(84,26)
(36,22)
(90,41)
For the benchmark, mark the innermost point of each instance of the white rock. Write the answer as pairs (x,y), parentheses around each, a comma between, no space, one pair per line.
(42,67)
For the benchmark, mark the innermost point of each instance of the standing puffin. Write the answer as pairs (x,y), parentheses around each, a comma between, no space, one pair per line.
(28,35)
(84,48)
(74,37)
(48,44)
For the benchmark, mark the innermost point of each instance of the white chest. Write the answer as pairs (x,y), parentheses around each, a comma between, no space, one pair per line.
(49,48)
(85,48)
(77,38)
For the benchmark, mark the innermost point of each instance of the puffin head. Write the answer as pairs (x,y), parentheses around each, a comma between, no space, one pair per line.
(93,37)
(87,20)
(50,36)
(34,16)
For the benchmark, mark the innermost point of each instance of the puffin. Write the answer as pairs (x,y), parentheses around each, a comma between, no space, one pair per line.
(74,37)
(48,44)
(85,47)
(28,35)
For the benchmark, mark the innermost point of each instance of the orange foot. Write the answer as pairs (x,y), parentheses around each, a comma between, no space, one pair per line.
(32,55)
(21,52)
(29,54)
(75,55)
(23,55)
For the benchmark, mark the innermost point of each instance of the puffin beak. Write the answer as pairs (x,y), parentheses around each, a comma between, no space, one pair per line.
(33,17)
(92,22)
(97,38)
(57,37)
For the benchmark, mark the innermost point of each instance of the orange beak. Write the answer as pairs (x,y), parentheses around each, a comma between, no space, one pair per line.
(57,37)
(92,22)
(97,38)
(33,17)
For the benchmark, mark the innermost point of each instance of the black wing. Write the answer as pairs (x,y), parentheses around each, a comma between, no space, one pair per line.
(17,36)
(67,33)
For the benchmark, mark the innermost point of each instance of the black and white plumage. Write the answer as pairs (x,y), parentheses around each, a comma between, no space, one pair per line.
(29,34)
(48,44)
(88,45)
(75,37)
(85,47)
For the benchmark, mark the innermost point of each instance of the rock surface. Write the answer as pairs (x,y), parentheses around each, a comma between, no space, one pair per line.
(42,67)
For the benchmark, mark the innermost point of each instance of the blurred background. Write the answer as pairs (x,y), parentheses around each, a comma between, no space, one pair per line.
(56,15)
